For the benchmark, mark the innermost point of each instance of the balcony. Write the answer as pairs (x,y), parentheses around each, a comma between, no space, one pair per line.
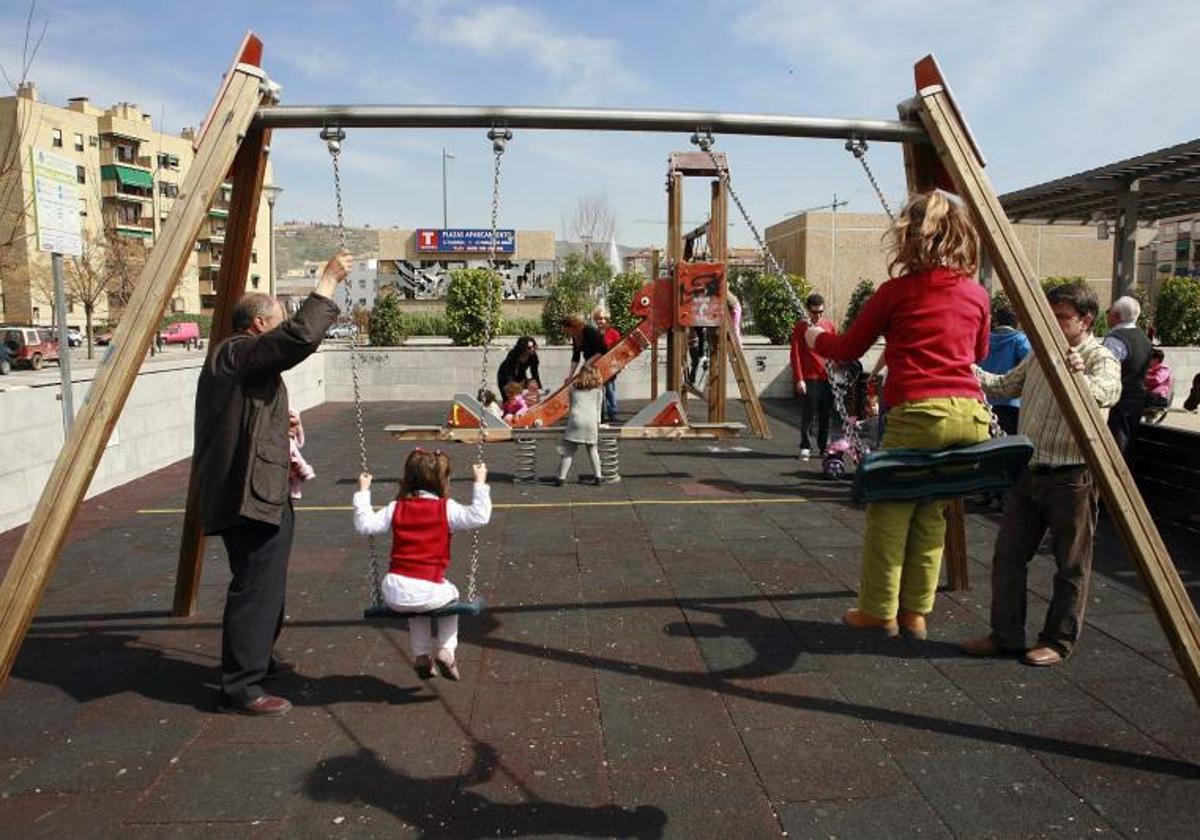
(120,192)
(206,259)
(111,157)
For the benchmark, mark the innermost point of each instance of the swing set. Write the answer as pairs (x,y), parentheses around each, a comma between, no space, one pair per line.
(939,152)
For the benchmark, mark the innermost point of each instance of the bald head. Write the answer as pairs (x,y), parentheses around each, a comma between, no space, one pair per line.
(257,312)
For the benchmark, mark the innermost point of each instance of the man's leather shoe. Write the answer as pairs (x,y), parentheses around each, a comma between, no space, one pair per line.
(983,646)
(280,668)
(264,705)
(863,621)
(1041,656)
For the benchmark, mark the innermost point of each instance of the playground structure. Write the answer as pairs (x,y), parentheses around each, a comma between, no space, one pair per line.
(939,151)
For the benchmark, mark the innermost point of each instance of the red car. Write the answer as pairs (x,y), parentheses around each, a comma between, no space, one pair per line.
(33,346)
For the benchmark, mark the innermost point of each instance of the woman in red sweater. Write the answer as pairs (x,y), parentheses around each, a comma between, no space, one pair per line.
(421,520)
(935,319)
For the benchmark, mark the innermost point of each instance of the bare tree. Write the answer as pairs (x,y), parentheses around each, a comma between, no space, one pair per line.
(13,210)
(592,219)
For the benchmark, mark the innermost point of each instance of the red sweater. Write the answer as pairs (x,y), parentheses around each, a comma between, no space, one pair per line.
(420,539)
(806,364)
(611,336)
(935,323)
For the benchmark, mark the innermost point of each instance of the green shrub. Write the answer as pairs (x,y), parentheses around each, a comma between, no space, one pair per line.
(473,312)
(621,292)
(522,325)
(573,292)
(1177,312)
(858,298)
(385,324)
(205,321)
(775,310)
(425,323)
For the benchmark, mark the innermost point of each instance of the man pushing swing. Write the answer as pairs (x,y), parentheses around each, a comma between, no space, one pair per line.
(241,462)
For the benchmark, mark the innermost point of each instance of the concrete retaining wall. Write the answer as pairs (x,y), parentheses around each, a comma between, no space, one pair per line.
(154,430)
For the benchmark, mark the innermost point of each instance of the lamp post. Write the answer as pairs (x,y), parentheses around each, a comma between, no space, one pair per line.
(445,218)
(272,193)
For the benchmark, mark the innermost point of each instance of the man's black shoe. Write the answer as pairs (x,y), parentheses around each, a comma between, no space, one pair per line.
(264,705)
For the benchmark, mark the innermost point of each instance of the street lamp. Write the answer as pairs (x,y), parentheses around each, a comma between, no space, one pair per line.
(445,154)
(272,193)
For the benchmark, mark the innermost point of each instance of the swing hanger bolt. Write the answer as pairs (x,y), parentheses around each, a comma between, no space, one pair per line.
(703,137)
(333,135)
(499,136)
(856,146)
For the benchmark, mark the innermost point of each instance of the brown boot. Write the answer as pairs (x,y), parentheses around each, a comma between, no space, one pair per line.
(860,620)
(913,624)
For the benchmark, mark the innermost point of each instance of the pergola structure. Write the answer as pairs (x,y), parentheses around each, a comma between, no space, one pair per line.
(939,152)
(1127,194)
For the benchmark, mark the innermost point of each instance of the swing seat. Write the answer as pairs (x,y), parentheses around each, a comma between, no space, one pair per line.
(922,475)
(453,608)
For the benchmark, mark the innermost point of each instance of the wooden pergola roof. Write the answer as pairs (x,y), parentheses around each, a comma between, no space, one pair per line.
(1166,182)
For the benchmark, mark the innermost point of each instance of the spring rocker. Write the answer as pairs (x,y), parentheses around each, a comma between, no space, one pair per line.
(939,152)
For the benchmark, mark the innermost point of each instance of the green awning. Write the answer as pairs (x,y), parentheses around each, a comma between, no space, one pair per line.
(134,233)
(127,175)
(219,213)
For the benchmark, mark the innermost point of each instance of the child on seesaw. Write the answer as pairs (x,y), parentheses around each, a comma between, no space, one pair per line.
(935,318)
(583,423)
(421,520)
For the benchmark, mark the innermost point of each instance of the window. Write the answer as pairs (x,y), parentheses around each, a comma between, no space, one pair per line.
(162,160)
(173,161)
(83,207)
(56,138)
(78,142)
(93,140)
(254,278)
(168,190)
(81,174)
(129,213)
(254,256)
(126,154)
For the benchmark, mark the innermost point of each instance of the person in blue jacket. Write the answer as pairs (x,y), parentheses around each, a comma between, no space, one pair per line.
(1006,348)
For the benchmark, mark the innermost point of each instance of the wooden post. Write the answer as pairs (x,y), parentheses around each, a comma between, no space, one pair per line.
(1140,537)
(676,338)
(719,360)
(654,346)
(36,556)
(958,579)
(249,169)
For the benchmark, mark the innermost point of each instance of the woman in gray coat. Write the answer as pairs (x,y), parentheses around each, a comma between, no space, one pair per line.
(583,423)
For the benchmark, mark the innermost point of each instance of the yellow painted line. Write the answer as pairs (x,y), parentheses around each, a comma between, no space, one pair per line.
(791,500)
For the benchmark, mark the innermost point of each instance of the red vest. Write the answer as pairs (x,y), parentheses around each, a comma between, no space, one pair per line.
(420,539)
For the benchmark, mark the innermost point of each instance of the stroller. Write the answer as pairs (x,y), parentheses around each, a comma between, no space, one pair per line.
(842,453)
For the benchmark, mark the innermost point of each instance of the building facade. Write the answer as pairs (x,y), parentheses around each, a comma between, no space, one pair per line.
(129,178)
(836,251)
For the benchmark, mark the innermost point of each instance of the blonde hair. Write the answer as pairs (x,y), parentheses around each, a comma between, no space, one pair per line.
(588,378)
(933,230)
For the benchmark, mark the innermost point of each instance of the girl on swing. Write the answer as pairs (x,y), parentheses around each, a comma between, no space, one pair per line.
(421,520)
(935,319)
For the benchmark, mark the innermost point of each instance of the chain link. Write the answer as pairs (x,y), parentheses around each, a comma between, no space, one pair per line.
(333,138)
(858,147)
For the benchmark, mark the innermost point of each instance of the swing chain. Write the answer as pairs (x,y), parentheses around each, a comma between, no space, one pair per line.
(499,138)
(333,137)
(858,147)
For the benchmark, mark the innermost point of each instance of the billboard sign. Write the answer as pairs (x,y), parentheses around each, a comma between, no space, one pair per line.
(56,203)
(465,240)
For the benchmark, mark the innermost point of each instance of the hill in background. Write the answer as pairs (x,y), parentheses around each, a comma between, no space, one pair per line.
(296,243)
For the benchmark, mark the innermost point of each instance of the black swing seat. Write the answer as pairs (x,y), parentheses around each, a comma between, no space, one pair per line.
(921,475)
(453,608)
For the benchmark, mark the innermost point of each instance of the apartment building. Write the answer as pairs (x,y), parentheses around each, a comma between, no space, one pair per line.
(129,177)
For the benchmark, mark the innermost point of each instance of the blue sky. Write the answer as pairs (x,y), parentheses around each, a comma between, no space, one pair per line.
(1049,88)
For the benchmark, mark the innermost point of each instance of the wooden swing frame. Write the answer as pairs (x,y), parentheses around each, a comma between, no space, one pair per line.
(939,151)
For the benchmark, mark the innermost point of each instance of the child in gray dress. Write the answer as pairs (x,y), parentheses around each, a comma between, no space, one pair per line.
(583,423)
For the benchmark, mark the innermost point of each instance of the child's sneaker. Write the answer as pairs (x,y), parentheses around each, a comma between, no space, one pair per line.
(424,667)
(446,665)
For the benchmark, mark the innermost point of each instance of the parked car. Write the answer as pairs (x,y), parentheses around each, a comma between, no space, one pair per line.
(74,337)
(102,339)
(33,346)
(186,333)
(341,331)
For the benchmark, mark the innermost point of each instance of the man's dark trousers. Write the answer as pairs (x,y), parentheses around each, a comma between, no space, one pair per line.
(258,557)
(817,402)
(1062,499)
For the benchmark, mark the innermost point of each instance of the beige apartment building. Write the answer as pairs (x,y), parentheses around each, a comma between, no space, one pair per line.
(835,251)
(129,178)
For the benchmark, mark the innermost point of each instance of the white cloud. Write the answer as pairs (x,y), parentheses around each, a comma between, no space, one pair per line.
(589,69)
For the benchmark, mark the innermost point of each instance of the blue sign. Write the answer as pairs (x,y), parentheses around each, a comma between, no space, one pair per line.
(477,240)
